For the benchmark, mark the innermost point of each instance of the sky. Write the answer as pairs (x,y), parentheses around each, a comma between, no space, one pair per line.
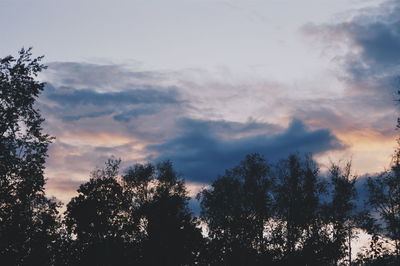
(205,82)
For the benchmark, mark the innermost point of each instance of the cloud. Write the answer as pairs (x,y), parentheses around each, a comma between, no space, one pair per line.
(349,113)
(364,48)
(371,60)
(74,109)
(103,77)
(198,124)
(201,154)
(74,104)
(72,97)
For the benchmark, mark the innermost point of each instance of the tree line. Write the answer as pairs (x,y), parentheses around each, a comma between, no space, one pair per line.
(257,213)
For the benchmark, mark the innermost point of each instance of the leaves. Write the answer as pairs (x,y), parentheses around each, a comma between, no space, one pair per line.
(28,220)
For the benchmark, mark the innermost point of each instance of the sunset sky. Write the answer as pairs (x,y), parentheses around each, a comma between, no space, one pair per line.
(205,82)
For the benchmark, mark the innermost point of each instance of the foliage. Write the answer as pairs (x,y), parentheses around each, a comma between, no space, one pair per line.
(28,220)
(236,209)
(160,212)
(341,212)
(96,218)
(384,202)
(301,229)
(125,220)
(378,253)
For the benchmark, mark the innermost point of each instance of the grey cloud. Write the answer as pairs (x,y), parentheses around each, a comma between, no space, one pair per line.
(200,154)
(72,97)
(224,128)
(140,111)
(85,75)
(350,113)
(370,64)
(380,42)
(87,115)
(70,104)
(373,61)
(81,91)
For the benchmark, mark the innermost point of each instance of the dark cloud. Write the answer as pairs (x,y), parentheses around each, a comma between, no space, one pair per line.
(372,60)
(366,48)
(86,115)
(227,129)
(70,104)
(140,111)
(78,94)
(72,97)
(376,65)
(201,154)
(377,33)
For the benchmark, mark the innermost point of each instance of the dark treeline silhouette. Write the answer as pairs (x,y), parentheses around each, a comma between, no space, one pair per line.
(29,222)
(257,213)
(141,218)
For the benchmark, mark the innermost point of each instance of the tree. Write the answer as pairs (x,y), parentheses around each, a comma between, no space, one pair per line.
(139,187)
(300,227)
(97,218)
(168,232)
(384,199)
(341,211)
(236,209)
(382,217)
(170,228)
(28,220)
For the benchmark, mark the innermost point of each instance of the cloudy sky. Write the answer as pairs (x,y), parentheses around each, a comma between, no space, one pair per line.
(205,82)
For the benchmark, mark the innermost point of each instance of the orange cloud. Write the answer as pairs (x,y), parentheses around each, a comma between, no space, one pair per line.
(103,139)
(369,150)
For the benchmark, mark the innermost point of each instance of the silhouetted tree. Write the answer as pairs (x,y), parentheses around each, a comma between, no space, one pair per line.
(164,224)
(378,253)
(300,227)
(138,184)
(236,210)
(382,217)
(28,220)
(97,218)
(341,212)
(384,200)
